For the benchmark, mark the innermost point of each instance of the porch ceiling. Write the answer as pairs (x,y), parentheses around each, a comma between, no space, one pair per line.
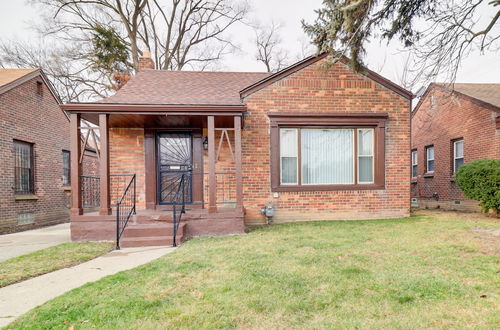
(157,116)
(160,121)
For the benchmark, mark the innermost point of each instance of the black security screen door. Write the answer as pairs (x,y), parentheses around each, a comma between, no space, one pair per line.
(174,160)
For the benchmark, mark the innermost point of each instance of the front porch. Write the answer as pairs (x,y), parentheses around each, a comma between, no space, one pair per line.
(164,172)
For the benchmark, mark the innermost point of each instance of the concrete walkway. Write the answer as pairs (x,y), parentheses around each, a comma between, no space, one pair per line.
(13,245)
(17,299)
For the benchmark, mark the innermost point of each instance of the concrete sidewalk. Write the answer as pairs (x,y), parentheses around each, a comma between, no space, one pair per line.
(19,298)
(14,245)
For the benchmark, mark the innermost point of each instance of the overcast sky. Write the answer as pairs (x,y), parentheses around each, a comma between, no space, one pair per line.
(16,18)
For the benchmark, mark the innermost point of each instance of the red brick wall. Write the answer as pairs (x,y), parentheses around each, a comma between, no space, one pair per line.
(126,149)
(335,90)
(441,118)
(28,116)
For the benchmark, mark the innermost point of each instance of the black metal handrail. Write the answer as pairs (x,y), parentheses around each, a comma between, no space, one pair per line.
(178,200)
(125,208)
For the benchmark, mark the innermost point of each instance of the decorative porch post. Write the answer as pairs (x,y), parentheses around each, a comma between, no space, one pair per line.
(105,208)
(212,180)
(76,169)
(237,163)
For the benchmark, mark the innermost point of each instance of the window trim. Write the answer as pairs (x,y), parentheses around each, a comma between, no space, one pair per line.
(357,155)
(427,159)
(31,164)
(416,163)
(329,120)
(453,142)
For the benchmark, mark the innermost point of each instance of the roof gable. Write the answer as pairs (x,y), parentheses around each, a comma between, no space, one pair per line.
(484,95)
(487,93)
(316,58)
(8,76)
(11,78)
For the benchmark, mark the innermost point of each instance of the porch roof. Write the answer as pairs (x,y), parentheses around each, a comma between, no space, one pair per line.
(176,91)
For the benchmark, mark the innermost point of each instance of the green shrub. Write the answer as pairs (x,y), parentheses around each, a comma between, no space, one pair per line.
(480,180)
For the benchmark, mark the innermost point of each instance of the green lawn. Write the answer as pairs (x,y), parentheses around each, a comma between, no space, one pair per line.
(421,272)
(50,259)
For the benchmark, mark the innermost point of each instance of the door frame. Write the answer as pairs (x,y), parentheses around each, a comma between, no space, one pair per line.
(150,175)
(158,165)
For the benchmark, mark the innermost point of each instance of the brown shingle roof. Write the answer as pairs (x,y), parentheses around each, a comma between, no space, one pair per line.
(9,75)
(185,87)
(489,93)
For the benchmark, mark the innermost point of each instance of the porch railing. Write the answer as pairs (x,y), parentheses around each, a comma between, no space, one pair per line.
(125,208)
(178,207)
(90,190)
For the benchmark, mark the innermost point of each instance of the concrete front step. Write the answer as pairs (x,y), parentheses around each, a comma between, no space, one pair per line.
(165,217)
(148,241)
(151,229)
(150,234)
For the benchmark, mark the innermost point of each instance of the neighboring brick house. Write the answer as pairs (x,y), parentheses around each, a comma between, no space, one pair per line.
(450,127)
(313,143)
(34,152)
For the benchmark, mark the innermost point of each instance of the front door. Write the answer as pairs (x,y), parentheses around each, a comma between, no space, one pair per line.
(175,160)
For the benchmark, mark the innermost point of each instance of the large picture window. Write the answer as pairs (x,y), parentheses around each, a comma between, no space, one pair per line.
(326,157)
(23,168)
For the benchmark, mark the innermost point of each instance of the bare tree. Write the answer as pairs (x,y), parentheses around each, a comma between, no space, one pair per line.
(439,34)
(453,33)
(180,34)
(66,67)
(190,32)
(306,48)
(268,43)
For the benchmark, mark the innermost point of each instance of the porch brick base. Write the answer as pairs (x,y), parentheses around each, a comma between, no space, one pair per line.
(154,228)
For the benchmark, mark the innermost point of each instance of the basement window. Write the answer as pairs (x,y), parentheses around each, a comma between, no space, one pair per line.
(25,218)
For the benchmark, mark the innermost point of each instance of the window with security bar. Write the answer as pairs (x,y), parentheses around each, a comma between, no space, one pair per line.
(23,168)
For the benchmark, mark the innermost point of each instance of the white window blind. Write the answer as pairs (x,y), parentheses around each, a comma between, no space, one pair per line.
(327,156)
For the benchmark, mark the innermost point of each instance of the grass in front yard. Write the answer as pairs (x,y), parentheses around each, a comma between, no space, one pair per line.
(50,259)
(420,272)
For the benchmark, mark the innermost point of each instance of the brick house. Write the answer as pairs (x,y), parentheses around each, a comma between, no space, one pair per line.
(451,127)
(307,142)
(34,152)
